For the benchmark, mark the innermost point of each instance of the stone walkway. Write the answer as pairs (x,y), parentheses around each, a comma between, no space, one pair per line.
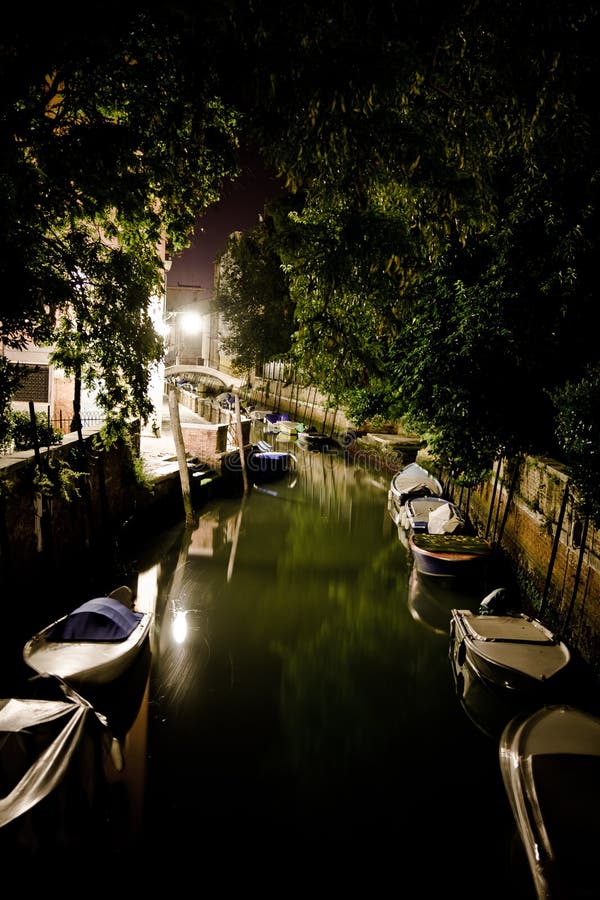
(159,453)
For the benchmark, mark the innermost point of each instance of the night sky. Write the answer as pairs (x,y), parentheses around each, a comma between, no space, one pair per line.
(239,210)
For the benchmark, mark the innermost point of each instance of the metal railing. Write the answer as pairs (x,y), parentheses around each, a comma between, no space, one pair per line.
(63,423)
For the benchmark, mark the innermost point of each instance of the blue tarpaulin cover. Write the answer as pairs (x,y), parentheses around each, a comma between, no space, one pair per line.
(100,619)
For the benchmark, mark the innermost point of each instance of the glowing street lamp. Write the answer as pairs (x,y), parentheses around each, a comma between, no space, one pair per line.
(191,323)
(188,323)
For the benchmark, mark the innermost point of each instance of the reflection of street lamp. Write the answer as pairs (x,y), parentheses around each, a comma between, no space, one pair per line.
(179,627)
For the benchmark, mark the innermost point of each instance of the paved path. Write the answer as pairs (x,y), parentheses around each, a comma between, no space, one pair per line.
(159,453)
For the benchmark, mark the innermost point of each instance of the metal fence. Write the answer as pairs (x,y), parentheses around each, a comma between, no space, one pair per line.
(64,423)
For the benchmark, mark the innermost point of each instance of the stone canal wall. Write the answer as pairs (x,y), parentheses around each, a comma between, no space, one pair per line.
(45,534)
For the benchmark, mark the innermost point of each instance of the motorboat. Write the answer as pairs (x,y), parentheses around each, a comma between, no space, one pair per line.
(263,463)
(93,644)
(288,428)
(513,651)
(281,423)
(411,481)
(550,764)
(269,465)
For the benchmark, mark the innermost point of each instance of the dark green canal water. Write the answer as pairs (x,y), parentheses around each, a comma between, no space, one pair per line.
(299,727)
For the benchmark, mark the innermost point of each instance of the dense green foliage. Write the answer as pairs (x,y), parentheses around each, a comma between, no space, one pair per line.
(441,263)
(253,300)
(26,435)
(110,140)
(432,258)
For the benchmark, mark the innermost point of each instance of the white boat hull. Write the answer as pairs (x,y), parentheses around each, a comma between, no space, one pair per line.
(86,661)
(550,764)
(514,652)
(412,480)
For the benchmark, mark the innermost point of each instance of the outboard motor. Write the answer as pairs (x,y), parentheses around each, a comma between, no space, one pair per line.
(495,604)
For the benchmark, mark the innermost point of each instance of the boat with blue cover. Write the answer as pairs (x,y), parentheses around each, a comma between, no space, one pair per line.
(95,643)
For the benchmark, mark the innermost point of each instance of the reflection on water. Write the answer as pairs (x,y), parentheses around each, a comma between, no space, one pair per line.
(432,598)
(299,720)
(301,713)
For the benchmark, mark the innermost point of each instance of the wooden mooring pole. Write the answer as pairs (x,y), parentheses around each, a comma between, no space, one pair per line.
(184,473)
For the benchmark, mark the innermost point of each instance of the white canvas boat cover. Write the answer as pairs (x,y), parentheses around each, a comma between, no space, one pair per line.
(444,520)
(27,724)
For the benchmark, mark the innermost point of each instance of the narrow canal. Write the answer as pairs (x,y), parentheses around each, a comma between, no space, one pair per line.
(298,726)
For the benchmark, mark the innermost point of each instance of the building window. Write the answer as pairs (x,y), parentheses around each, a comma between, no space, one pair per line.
(35,385)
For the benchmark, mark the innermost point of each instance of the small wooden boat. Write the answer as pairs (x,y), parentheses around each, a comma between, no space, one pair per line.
(93,644)
(455,555)
(289,428)
(281,423)
(550,764)
(512,651)
(411,481)
(271,422)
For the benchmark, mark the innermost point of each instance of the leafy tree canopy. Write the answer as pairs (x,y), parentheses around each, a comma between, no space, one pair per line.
(254,300)
(436,260)
(441,264)
(110,139)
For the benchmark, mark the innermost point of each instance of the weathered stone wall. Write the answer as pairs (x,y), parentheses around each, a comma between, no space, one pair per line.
(44,537)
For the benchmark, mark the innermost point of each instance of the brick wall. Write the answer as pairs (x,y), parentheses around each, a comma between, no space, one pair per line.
(205,441)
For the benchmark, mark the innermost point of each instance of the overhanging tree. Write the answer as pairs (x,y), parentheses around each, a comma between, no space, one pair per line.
(110,140)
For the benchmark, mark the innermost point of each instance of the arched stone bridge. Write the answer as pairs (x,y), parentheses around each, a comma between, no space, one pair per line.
(205,374)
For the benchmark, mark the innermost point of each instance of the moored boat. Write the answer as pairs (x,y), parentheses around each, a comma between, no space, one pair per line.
(550,765)
(317,442)
(289,428)
(93,644)
(513,651)
(432,515)
(43,742)
(268,465)
(456,555)
(411,481)
(281,423)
